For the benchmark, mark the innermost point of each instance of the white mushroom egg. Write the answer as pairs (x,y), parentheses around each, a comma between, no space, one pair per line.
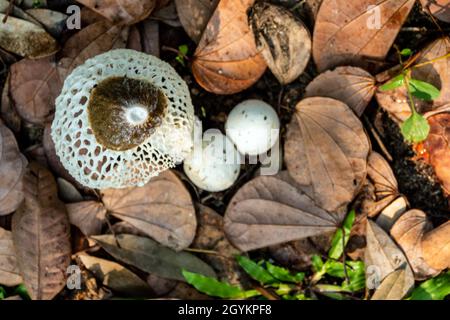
(253,126)
(214,165)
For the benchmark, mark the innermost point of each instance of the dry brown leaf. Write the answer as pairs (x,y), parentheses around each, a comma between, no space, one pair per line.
(226,60)
(438,8)
(9,271)
(270,210)
(41,235)
(437,147)
(282,39)
(121,11)
(353,86)
(326,151)
(390,214)
(88,216)
(134,39)
(436,247)
(162,209)
(67,191)
(12,165)
(194,15)
(34,86)
(396,102)
(408,232)
(382,256)
(395,286)
(115,276)
(7,111)
(347,33)
(150,37)
(53,21)
(26,39)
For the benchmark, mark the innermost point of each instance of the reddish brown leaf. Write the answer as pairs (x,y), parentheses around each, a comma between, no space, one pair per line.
(7,111)
(9,271)
(353,86)
(121,11)
(226,60)
(326,151)
(194,15)
(270,210)
(438,8)
(348,33)
(162,209)
(12,165)
(436,247)
(88,216)
(41,235)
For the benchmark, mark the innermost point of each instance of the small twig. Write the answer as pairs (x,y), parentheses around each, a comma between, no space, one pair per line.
(378,139)
(9,10)
(266,293)
(211,252)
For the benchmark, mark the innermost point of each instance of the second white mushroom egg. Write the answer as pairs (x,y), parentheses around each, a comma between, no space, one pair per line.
(253,126)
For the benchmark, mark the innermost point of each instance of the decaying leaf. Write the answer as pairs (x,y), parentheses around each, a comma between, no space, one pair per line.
(382,256)
(395,286)
(357,33)
(26,39)
(408,232)
(326,151)
(437,73)
(7,111)
(270,210)
(436,247)
(88,216)
(9,271)
(149,256)
(41,235)
(12,165)
(226,60)
(34,86)
(282,39)
(162,209)
(437,147)
(115,276)
(67,191)
(353,86)
(53,21)
(121,11)
(391,213)
(438,8)
(194,15)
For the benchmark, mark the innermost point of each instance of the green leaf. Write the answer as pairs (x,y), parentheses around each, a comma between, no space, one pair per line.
(255,270)
(337,244)
(283,274)
(356,276)
(183,49)
(434,289)
(213,287)
(317,263)
(406,52)
(180,60)
(21,290)
(2,293)
(415,128)
(423,90)
(396,82)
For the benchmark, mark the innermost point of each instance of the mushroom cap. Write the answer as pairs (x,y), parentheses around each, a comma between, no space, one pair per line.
(122,118)
(253,126)
(216,166)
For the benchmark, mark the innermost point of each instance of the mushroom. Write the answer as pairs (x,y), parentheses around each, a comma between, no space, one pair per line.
(214,163)
(122,118)
(253,126)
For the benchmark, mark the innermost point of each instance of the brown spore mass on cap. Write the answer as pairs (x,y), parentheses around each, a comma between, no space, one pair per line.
(106,111)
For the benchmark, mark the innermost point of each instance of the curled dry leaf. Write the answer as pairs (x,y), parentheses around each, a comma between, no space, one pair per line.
(26,39)
(194,15)
(437,148)
(282,39)
(395,286)
(326,151)
(438,8)
(67,191)
(88,216)
(436,247)
(34,86)
(41,235)
(9,271)
(408,232)
(396,102)
(382,256)
(353,86)
(162,209)
(121,11)
(391,213)
(226,60)
(115,276)
(147,255)
(358,33)
(12,165)
(270,210)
